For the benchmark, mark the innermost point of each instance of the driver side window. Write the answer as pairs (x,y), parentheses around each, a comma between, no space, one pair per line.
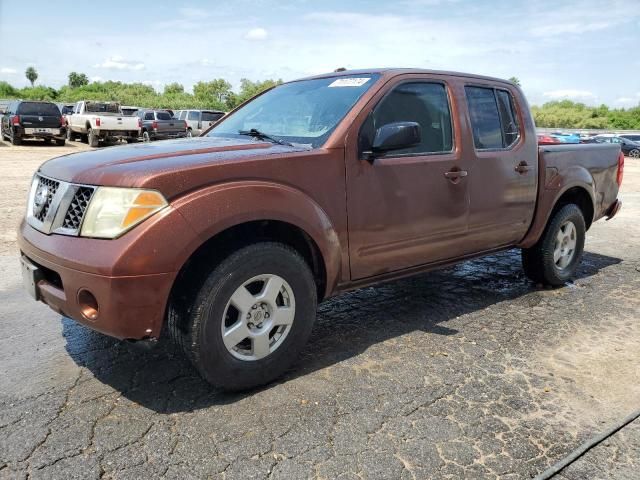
(424,103)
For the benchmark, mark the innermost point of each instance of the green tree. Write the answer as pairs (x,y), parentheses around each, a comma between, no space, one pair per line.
(173,88)
(7,91)
(249,89)
(78,80)
(214,92)
(516,81)
(31,74)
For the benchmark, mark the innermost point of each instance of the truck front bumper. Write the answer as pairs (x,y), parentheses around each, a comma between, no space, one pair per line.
(124,306)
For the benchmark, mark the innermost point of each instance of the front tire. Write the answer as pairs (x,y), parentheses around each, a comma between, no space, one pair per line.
(555,258)
(635,153)
(251,317)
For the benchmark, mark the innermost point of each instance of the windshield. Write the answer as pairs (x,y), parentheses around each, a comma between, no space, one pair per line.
(304,112)
(38,108)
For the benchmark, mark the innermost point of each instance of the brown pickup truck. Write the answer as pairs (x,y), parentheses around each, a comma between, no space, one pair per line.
(226,242)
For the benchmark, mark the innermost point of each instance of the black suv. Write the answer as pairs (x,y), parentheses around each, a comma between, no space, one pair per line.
(30,119)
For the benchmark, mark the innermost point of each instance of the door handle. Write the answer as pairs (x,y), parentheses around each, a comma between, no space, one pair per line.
(455,174)
(523,167)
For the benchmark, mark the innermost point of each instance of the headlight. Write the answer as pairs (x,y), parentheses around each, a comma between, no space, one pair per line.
(112,211)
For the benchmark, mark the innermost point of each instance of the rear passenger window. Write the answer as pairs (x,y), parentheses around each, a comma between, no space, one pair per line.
(493,118)
(424,103)
(193,116)
(508,118)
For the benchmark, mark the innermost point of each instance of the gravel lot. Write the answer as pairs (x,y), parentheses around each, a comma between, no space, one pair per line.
(470,372)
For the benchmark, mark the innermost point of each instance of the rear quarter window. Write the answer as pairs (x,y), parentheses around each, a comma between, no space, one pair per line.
(37,108)
(211,116)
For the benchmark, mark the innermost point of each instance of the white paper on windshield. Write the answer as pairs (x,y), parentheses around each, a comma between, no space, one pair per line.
(349,82)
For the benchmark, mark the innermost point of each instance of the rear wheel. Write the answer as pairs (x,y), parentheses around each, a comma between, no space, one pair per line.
(145,136)
(92,139)
(60,142)
(555,258)
(635,153)
(15,140)
(189,133)
(250,318)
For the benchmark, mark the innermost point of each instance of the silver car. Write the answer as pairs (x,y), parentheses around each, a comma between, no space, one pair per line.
(198,120)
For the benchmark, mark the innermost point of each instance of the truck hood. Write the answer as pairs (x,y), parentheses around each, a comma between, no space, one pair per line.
(164,165)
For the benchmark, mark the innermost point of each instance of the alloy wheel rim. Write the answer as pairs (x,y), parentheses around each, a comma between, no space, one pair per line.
(564,248)
(635,153)
(258,317)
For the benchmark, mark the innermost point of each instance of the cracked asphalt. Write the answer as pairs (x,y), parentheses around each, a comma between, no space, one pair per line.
(469,372)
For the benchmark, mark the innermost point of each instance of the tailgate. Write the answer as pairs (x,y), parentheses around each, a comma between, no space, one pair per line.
(40,121)
(170,127)
(118,122)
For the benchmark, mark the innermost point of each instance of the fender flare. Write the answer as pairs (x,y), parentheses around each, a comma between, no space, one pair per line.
(550,193)
(214,209)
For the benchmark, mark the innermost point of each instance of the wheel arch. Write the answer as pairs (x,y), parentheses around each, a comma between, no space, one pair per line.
(550,201)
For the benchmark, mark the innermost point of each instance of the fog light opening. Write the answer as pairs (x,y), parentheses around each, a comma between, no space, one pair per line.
(88,305)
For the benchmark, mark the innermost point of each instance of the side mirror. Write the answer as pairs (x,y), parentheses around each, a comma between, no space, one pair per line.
(396,136)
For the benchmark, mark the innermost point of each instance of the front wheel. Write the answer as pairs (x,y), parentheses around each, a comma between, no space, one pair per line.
(251,317)
(555,258)
(635,153)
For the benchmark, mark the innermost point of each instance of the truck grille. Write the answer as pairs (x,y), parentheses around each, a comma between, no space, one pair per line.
(47,188)
(77,207)
(56,206)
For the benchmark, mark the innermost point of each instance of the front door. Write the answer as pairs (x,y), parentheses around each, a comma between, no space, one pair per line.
(407,207)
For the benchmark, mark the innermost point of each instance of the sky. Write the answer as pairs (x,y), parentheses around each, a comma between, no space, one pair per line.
(583,50)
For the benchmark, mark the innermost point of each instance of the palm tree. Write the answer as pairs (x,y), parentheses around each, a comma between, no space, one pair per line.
(31,75)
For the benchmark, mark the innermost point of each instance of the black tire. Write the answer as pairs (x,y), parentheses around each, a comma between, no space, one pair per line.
(92,140)
(201,334)
(189,133)
(60,142)
(635,153)
(15,140)
(70,135)
(145,137)
(538,261)
(132,140)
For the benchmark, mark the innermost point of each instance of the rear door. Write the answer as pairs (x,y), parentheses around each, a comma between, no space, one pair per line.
(407,207)
(39,117)
(503,179)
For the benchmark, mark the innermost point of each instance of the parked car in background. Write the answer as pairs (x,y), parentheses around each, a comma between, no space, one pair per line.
(66,108)
(160,124)
(634,137)
(31,119)
(566,137)
(102,121)
(198,120)
(628,147)
(226,242)
(544,139)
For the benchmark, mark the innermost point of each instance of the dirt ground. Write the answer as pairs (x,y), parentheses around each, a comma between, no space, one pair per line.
(469,372)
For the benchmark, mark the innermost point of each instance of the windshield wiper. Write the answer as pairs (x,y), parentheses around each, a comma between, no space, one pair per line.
(263,136)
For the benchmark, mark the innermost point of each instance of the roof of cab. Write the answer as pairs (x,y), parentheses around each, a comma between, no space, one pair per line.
(392,72)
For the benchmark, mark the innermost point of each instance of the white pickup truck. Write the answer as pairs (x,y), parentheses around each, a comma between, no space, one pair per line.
(96,121)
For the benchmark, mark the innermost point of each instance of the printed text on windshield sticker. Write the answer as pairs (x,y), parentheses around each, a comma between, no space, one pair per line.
(349,82)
